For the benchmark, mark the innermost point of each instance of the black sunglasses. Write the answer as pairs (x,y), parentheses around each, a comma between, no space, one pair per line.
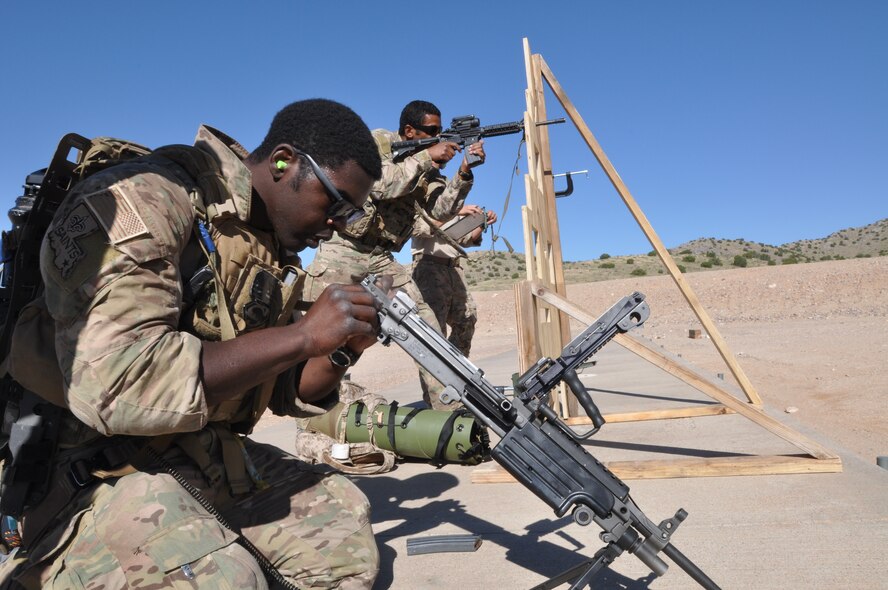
(433,130)
(340,208)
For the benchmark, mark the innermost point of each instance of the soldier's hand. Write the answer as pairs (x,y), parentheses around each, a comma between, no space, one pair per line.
(361,343)
(491,217)
(443,152)
(342,314)
(476,149)
(469,210)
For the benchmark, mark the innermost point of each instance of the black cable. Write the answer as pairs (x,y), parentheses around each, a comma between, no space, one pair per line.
(264,563)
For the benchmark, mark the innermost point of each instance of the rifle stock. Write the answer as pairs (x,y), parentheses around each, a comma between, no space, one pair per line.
(535,446)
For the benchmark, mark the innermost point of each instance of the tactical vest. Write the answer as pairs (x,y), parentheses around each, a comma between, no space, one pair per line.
(389,223)
(237,286)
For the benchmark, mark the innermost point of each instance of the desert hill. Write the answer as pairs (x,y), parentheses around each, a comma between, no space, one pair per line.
(489,271)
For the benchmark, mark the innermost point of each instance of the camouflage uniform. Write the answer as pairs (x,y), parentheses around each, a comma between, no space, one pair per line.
(438,274)
(128,341)
(367,246)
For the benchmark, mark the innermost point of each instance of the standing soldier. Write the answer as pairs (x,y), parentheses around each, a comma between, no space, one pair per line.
(438,273)
(409,185)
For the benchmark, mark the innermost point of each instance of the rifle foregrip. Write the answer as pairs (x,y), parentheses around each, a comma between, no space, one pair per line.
(579,390)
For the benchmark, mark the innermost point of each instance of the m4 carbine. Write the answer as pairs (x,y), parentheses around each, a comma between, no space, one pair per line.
(535,446)
(463,131)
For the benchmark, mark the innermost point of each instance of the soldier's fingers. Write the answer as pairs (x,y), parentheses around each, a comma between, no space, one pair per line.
(385,282)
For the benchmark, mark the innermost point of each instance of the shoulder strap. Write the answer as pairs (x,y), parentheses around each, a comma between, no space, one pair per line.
(210,200)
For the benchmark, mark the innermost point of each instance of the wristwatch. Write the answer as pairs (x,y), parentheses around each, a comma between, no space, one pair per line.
(344,357)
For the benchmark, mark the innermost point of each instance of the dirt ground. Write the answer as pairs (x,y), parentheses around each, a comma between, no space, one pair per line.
(811,338)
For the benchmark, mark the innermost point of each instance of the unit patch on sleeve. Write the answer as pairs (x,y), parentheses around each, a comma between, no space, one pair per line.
(64,237)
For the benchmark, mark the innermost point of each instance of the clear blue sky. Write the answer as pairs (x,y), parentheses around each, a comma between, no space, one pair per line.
(766,121)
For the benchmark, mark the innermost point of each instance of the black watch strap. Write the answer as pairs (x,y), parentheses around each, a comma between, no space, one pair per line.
(344,357)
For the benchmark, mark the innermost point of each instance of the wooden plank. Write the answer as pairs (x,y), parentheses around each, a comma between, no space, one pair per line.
(553,329)
(748,411)
(705,467)
(667,414)
(648,230)
(528,351)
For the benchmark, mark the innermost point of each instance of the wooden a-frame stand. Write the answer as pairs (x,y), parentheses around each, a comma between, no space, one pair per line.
(542,309)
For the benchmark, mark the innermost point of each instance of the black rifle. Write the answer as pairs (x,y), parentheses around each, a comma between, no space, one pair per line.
(538,448)
(463,131)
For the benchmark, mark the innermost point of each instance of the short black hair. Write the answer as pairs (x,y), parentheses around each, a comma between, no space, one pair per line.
(413,113)
(328,131)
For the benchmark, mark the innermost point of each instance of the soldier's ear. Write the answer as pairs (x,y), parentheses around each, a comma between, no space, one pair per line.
(280,160)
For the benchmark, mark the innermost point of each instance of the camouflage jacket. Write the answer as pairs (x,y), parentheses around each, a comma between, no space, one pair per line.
(114,262)
(411,181)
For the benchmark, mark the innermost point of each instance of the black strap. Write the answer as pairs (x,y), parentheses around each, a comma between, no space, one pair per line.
(393,410)
(444,438)
(410,416)
(359,411)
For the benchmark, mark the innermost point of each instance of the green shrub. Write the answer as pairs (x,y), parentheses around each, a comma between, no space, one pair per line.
(638,272)
(740,261)
(706,264)
(607,265)
(515,275)
(686,251)
(790,260)
(630,261)
(689,258)
(682,268)
(604,256)
(652,253)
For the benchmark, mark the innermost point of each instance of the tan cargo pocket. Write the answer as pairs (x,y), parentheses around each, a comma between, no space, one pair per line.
(360,228)
(186,541)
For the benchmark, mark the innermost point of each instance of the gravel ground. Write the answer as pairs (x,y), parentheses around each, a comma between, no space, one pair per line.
(811,338)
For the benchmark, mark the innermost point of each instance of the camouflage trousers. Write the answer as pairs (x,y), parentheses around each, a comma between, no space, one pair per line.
(345,261)
(144,530)
(444,289)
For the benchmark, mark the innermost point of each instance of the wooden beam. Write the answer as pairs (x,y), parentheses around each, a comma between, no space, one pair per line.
(525,316)
(652,236)
(544,261)
(708,467)
(667,414)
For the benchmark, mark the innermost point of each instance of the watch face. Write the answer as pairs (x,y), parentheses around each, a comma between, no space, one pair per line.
(340,358)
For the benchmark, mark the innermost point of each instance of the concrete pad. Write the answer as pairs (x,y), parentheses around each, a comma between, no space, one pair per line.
(785,531)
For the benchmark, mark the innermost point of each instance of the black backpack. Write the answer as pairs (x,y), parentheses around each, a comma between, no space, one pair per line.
(30,423)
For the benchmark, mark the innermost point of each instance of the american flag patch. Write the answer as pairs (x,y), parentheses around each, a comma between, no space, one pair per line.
(116,214)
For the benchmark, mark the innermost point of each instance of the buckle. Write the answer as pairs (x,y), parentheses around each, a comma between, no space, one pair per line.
(81,473)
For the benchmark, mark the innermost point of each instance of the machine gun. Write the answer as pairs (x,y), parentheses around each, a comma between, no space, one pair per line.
(463,131)
(535,446)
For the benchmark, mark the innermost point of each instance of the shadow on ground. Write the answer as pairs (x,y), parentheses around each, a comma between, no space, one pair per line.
(412,502)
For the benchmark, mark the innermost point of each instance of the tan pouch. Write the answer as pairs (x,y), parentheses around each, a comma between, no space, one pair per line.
(32,358)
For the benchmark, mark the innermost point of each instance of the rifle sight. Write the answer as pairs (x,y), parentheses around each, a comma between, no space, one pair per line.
(465,122)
